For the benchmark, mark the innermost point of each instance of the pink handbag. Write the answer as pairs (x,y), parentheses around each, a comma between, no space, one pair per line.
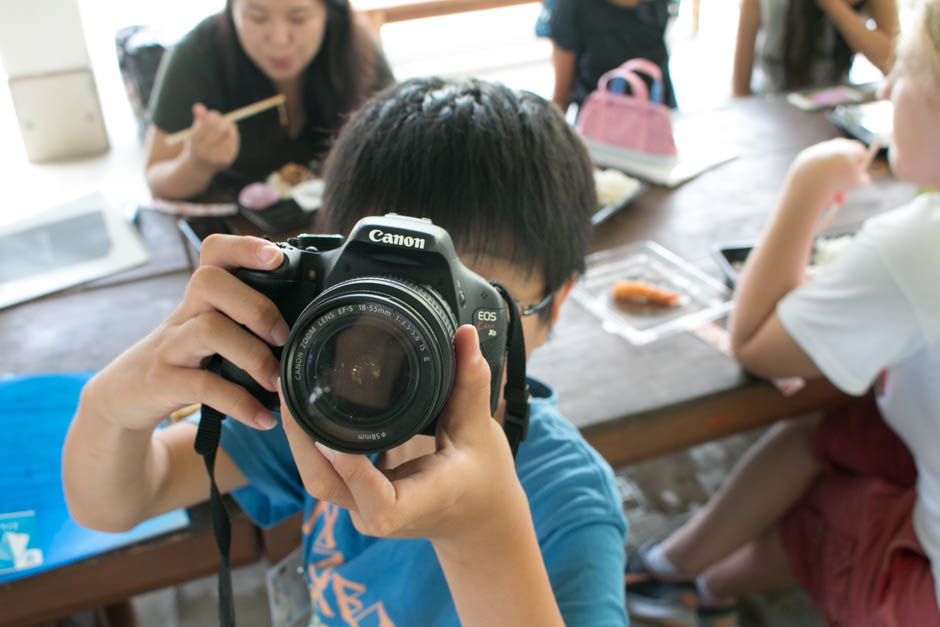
(630,121)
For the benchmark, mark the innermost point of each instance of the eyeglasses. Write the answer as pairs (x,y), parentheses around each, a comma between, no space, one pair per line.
(537,307)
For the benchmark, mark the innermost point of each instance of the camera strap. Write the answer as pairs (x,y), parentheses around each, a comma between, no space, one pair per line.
(208,435)
(516,390)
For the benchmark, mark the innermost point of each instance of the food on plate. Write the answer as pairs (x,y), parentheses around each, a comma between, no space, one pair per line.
(613,185)
(825,250)
(641,292)
(258,196)
(289,176)
(309,194)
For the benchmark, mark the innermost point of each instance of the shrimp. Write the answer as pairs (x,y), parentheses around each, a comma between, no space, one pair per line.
(641,292)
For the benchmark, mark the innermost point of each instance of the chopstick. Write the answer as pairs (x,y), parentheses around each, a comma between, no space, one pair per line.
(183,412)
(839,198)
(237,114)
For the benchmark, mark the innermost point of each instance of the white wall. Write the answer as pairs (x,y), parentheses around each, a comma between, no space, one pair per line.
(41,37)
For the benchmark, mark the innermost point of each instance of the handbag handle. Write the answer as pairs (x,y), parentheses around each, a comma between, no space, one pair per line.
(628,69)
(637,86)
(652,70)
(644,65)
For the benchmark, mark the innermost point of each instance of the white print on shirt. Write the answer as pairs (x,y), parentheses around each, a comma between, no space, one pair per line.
(323,576)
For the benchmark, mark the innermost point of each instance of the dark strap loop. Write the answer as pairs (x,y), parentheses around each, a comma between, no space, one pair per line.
(516,390)
(208,435)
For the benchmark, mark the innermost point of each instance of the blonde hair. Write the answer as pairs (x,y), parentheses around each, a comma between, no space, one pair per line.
(924,33)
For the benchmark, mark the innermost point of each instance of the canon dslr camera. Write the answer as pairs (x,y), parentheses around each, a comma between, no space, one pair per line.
(369,361)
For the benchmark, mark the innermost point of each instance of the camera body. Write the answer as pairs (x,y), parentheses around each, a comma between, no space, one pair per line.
(369,361)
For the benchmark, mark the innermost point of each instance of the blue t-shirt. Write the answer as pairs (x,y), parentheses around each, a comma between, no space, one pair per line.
(360,580)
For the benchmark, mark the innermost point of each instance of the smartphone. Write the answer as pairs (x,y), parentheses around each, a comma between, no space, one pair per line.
(281,217)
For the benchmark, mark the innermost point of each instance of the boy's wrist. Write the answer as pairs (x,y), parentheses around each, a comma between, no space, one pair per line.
(496,532)
(102,409)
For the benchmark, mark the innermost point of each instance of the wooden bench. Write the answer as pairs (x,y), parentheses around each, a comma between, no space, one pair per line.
(381,12)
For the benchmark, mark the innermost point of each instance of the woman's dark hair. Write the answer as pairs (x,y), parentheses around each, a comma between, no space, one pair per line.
(806,23)
(500,170)
(337,80)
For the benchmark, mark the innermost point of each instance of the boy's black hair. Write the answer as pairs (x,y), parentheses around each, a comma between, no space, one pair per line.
(500,170)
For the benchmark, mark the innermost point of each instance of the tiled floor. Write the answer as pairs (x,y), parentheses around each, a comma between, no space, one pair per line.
(660,494)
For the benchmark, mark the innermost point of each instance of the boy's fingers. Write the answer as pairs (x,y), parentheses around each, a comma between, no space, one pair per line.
(369,487)
(319,477)
(213,289)
(225,396)
(212,333)
(234,251)
(386,508)
(470,397)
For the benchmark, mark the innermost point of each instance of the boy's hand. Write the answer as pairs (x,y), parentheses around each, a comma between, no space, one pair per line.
(833,166)
(164,371)
(461,491)
(214,141)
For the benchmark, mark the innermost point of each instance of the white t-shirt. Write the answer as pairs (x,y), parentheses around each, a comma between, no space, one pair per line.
(875,308)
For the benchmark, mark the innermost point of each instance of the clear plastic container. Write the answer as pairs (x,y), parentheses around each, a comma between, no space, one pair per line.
(701,298)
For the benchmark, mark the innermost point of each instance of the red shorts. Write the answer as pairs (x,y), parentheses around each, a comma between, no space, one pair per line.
(849,539)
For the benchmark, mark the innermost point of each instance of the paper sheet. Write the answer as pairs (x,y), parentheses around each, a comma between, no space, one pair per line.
(36,531)
(78,241)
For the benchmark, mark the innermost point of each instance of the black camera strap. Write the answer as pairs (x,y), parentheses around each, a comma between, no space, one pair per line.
(516,391)
(207,443)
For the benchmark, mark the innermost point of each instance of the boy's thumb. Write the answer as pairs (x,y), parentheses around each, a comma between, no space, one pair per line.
(470,395)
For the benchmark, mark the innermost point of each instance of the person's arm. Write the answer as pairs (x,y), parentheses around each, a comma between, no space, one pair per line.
(877,44)
(778,262)
(116,470)
(184,170)
(564,63)
(748,25)
(464,497)
(492,569)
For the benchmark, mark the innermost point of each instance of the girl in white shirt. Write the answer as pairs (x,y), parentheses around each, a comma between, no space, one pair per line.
(846,505)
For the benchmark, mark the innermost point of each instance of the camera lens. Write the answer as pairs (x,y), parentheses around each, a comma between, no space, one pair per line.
(362,371)
(369,363)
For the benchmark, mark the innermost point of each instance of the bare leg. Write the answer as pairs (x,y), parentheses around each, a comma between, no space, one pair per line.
(758,566)
(772,476)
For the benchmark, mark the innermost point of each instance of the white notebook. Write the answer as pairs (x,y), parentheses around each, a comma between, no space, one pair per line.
(692,159)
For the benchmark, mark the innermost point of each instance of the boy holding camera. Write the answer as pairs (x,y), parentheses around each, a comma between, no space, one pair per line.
(440,530)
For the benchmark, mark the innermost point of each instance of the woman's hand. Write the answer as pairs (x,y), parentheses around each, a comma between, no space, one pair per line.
(165,370)
(833,166)
(461,491)
(214,140)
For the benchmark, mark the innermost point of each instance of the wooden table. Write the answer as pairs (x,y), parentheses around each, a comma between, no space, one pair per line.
(635,402)
(631,402)
(117,575)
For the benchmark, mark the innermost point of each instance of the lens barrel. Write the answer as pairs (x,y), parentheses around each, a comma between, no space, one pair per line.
(369,363)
